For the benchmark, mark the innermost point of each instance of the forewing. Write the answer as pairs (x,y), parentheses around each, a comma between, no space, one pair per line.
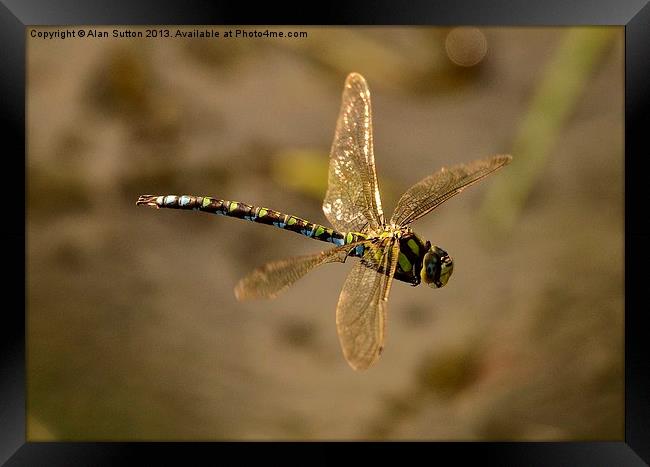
(352,201)
(362,306)
(437,188)
(269,280)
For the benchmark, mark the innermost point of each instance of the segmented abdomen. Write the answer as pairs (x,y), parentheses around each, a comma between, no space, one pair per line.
(250,213)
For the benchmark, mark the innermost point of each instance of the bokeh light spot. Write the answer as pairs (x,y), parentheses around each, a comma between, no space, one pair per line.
(466,46)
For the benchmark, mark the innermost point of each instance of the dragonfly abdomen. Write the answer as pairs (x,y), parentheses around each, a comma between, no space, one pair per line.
(247,212)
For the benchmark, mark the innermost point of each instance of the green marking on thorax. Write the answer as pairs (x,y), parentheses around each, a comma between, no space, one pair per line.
(404,262)
(291,221)
(415,248)
(233,206)
(206,202)
(263,212)
(319,231)
(348,238)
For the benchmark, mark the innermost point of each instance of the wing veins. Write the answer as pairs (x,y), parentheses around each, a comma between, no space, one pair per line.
(432,191)
(362,305)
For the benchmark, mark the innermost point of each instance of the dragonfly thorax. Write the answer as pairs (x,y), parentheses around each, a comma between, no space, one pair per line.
(412,250)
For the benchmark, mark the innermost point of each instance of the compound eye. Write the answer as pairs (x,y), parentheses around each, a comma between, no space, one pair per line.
(431,263)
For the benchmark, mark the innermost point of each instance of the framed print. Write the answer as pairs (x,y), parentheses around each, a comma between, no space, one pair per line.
(143,326)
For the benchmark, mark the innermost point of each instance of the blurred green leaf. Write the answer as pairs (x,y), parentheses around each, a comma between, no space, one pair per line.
(559,89)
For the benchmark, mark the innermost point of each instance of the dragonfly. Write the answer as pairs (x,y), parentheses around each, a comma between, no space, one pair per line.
(382,250)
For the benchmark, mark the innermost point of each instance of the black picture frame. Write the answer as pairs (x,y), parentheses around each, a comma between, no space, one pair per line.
(634,15)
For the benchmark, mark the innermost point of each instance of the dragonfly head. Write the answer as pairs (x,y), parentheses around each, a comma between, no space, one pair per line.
(437,267)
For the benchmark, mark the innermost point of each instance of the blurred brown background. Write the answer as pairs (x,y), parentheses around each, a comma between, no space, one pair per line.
(134,332)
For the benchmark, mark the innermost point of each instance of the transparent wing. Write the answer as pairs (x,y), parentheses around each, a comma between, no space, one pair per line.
(437,188)
(269,280)
(352,202)
(361,311)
